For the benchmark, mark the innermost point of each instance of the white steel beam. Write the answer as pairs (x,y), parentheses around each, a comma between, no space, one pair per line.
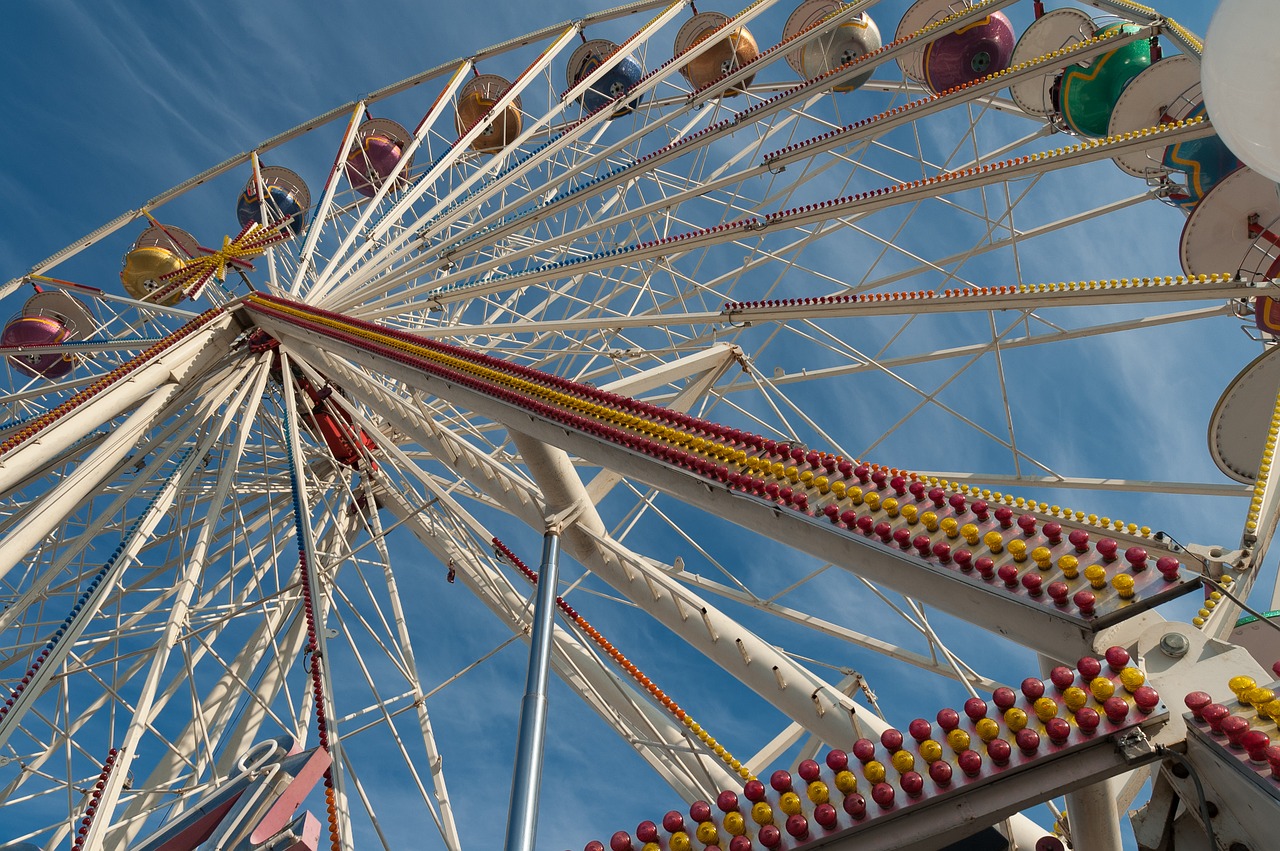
(315,590)
(653,733)
(796,691)
(816,705)
(662,742)
(188,356)
(1038,626)
(187,583)
(448,824)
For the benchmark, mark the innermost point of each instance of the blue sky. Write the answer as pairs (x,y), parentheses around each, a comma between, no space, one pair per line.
(106,106)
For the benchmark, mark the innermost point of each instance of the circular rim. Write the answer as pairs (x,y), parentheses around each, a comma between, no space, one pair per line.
(1239,423)
(286,179)
(73,312)
(1216,236)
(601,47)
(697,28)
(1166,90)
(1051,31)
(920,15)
(169,237)
(805,15)
(484,86)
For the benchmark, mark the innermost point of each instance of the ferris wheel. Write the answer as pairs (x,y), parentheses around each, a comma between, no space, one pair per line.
(843,370)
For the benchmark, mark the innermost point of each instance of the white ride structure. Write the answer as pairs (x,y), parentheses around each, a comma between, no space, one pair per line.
(799,375)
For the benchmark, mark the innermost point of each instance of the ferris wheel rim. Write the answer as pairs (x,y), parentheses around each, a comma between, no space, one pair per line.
(682,344)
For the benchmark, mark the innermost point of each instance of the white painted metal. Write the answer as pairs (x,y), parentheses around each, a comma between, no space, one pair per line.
(646,329)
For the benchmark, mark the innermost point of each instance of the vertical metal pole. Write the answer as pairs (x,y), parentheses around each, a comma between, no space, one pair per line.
(522,816)
(1093,815)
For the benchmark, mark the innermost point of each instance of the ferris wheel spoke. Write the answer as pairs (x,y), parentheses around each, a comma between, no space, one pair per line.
(400,210)
(89,409)
(142,707)
(326,198)
(90,604)
(441,349)
(861,204)
(1032,629)
(1010,343)
(650,163)
(60,561)
(315,605)
(326,280)
(887,122)
(652,734)
(673,605)
(655,735)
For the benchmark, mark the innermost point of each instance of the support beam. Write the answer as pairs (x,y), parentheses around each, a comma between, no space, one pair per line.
(691,467)
(526,782)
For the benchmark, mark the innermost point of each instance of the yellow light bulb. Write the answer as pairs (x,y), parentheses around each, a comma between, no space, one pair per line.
(958,740)
(846,781)
(1015,719)
(1101,688)
(1097,576)
(994,541)
(1257,697)
(1069,565)
(1046,708)
(987,729)
(1132,679)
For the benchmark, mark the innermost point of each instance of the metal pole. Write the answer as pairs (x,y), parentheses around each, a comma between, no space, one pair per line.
(1093,816)
(522,816)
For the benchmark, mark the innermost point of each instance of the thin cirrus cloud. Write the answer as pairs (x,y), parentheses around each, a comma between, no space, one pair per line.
(107,107)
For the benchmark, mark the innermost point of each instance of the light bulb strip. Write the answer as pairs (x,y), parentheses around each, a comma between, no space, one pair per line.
(48,418)
(1016,733)
(630,668)
(1243,731)
(951,181)
(95,797)
(1171,287)
(908,111)
(1044,555)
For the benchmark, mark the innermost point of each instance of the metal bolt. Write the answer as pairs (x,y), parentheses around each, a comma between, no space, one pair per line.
(1174,645)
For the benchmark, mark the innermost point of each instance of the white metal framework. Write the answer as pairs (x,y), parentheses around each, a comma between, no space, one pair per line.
(219,528)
